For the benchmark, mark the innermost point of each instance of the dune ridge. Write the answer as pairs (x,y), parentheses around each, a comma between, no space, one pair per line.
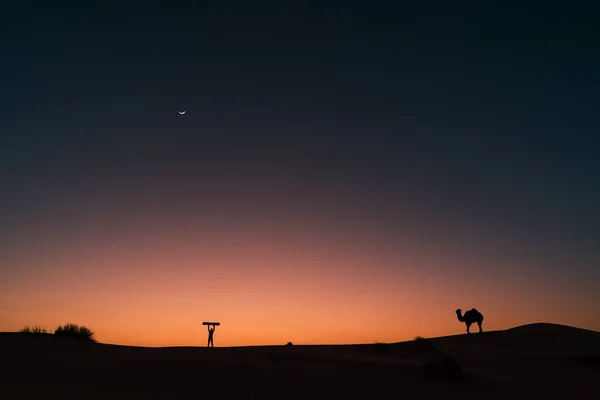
(548,360)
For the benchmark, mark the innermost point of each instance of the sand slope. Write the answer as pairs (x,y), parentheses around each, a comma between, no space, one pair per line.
(535,361)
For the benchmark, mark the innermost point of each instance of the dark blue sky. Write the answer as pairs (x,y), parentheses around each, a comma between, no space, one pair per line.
(476,123)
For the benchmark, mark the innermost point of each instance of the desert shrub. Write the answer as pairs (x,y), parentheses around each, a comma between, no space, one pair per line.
(76,331)
(424,343)
(34,329)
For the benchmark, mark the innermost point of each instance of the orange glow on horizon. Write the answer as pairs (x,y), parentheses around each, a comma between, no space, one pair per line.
(154,297)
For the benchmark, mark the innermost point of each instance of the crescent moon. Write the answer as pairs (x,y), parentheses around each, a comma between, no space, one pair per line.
(181,112)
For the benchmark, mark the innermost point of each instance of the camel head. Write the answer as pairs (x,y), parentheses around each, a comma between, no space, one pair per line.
(459,315)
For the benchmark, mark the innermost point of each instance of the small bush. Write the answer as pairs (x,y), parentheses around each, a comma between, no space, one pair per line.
(35,330)
(76,331)
(424,343)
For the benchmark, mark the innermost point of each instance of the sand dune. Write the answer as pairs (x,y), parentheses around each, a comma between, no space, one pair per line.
(533,361)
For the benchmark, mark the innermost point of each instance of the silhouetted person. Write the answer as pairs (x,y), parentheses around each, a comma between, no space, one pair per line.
(211,330)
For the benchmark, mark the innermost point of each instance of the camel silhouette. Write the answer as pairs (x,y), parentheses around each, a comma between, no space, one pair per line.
(470,317)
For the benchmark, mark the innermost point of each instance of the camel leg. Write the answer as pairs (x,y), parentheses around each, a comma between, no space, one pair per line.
(480,329)
(468,326)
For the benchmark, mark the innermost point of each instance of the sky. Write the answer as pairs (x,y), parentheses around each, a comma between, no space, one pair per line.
(345,172)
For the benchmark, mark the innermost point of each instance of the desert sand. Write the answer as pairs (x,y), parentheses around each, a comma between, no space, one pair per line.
(544,361)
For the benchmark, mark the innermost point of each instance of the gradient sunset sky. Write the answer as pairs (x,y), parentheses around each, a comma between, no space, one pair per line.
(344,173)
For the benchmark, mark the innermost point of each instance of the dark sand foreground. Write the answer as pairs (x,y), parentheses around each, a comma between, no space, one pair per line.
(543,361)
